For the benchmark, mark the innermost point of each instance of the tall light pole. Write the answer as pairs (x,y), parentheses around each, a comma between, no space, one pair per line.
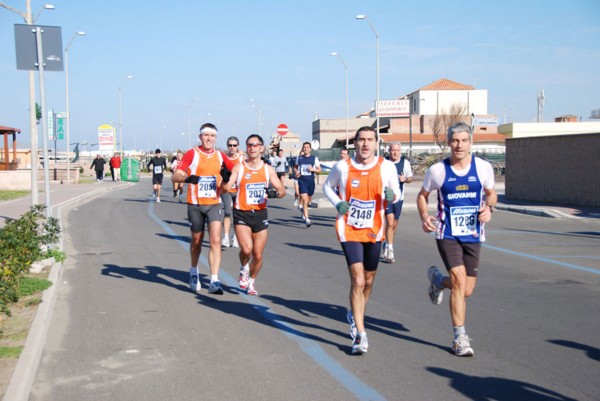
(257,107)
(346,69)
(68,117)
(29,20)
(362,16)
(190,121)
(121,112)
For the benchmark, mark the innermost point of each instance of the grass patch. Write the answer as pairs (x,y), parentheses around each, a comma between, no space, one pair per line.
(10,352)
(32,285)
(10,195)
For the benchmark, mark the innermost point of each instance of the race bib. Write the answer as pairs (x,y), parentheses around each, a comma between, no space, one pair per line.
(158,170)
(361,213)
(463,220)
(256,193)
(304,169)
(207,187)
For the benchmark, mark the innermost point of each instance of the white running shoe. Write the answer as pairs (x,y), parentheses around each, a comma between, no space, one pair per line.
(225,242)
(157,199)
(462,346)
(384,254)
(251,290)
(350,319)
(180,198)
(308,222)
(243,281)
(390,255)
(295,202)
(234,242)
(195,285)
(360,345)
(435,294)
(215,288)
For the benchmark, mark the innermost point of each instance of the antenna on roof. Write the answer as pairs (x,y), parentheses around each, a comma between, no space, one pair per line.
(540,112)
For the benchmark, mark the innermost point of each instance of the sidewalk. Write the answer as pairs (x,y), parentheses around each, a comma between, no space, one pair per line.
(60,195)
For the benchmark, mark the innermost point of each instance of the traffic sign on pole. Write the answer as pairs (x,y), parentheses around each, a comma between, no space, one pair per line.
(282,129)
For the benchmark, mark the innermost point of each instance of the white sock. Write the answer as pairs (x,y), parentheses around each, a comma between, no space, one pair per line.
(214,277)
(194,270)
(459,330)
(246,267)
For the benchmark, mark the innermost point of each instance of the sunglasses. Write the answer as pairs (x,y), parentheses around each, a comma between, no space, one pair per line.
(232,145)
(253,145)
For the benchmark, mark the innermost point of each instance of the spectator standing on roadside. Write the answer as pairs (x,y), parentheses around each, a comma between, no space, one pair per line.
(98,166)
(115,167)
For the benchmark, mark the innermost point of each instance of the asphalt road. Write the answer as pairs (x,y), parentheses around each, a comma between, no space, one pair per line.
(127,327)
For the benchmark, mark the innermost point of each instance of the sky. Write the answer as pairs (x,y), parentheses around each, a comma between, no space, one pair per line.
(278,53)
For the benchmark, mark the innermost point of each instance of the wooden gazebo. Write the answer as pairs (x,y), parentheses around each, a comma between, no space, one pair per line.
(5,161)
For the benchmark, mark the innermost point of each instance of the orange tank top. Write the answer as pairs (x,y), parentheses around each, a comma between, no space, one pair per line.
(233,187)
(364,221)
(206,166)
(252,188)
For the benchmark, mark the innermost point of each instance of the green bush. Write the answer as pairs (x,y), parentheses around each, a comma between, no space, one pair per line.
(21,244)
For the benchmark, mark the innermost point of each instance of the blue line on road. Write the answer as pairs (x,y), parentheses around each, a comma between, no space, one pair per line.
(541,259)
(310,348)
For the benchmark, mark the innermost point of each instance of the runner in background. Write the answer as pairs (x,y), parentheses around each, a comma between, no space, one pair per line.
(393,210)
(159,165)
(306,167)
(228,196)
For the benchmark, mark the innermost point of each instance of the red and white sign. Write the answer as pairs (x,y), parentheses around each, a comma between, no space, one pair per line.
(282,129)
(394,108)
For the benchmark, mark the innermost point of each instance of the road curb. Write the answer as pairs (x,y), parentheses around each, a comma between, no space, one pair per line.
(23,376)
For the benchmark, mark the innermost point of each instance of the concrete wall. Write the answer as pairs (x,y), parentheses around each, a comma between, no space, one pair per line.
(521,130)
(21,179)
(559,169)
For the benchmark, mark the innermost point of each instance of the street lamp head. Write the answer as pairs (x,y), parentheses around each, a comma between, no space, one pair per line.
(361,16)
(129,76)
(334,53)
(49,6)
(81,33)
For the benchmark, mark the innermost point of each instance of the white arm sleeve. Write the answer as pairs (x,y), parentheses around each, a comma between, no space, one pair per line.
(390,178)
(332,182)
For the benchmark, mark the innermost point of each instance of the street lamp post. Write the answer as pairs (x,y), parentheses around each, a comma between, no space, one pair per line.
(68,117)
(362,16)
(121,112)
(257,107)
(190,122)
(29,20)
(346,70)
